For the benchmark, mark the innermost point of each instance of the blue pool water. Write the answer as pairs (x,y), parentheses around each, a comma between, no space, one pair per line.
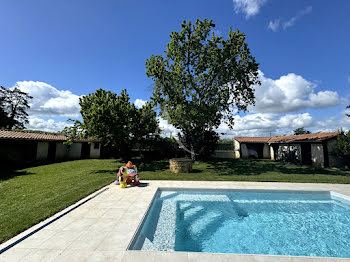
(248,222)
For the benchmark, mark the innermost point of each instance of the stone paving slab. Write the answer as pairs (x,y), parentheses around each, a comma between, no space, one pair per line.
(101,226)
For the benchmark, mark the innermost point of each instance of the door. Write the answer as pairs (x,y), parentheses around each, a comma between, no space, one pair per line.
(85,151)
(306,154)
(51,155)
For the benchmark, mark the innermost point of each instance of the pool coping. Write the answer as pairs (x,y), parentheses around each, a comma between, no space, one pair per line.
(342,190)
(32,230)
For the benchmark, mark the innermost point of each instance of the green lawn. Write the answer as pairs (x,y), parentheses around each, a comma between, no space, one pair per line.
(246,170)
(30,195)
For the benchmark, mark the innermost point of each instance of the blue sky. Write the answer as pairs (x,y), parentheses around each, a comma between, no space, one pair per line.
(59,50)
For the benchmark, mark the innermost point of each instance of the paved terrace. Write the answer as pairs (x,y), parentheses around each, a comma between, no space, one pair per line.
(100,227)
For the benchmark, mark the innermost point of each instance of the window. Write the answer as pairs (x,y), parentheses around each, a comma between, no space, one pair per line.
(96,145)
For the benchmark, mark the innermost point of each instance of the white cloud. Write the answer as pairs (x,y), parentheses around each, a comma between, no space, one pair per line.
(49,101)
(295,121)
(274,25)
(290,93)
(264,124)
(324,99)
(167,128)
(36,123)
(300,14)
(248,7)
(139,103)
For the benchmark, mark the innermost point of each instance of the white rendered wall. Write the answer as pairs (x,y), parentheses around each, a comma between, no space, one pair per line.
(266,151)
(42,151)
(61,151)
(74,151)
(244,150)
(95,153)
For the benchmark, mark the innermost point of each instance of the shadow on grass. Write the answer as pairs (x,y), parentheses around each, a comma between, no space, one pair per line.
(8,174)
(253,167)
(104,171)
(153,166)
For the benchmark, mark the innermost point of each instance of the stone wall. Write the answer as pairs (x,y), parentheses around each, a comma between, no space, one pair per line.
(289,152)
(180,165)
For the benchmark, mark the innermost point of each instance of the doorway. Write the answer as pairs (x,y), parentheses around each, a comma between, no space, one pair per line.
(85,150)
(306,154)
(51,155)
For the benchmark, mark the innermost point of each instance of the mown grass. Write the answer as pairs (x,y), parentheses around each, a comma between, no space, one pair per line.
(30,195)
(246,170)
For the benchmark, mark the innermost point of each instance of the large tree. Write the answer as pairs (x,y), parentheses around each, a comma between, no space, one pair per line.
(203,79)
(117,122)
(13,108)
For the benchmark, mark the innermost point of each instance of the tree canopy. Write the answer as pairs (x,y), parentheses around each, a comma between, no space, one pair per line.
(342,148)
(13,108)
(301,131)
(203,79)
(117,122)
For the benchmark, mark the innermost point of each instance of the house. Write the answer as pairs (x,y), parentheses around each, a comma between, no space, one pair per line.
(309,149)
(21,147)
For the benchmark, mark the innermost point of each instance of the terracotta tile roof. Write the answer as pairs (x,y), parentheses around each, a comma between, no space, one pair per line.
(318,137)
(253,139)
(22,135)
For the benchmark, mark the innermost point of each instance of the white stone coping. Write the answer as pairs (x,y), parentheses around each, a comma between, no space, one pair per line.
(114,243)
(32,230)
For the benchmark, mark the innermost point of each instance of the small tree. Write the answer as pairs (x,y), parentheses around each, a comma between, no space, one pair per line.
(342,148)
(301,131)
(202,80)
(117,122)
(14,104)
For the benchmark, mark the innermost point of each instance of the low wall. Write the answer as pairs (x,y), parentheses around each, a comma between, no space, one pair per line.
(224,154)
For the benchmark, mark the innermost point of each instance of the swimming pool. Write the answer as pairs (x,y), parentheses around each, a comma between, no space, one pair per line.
(301,223)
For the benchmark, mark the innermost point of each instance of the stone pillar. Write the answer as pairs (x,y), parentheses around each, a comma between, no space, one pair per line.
(266,151)
(272,153)
(317,156)
(237,153)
